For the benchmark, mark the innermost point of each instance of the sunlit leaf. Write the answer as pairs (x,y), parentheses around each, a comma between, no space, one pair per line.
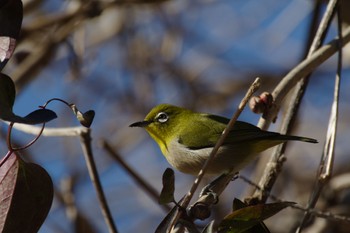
(26,194)
(245,218)
(167,193)
(7,46)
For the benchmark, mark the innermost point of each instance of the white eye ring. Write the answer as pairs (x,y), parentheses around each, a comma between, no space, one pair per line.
(162,117)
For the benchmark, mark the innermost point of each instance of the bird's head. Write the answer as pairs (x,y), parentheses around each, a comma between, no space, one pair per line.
(163,123)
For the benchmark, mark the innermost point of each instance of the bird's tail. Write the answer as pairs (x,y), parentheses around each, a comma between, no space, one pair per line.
(296,138)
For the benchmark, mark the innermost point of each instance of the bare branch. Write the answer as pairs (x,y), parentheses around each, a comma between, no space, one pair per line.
(294,77)
(90,163)
(326,164)
(51,132)
(304,68)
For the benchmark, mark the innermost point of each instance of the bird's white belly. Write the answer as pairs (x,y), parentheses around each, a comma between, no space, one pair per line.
(191,161)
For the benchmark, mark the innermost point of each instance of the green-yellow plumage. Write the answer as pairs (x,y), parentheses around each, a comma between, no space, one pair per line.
(186,139)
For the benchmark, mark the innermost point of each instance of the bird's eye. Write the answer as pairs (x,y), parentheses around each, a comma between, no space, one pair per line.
(162,117)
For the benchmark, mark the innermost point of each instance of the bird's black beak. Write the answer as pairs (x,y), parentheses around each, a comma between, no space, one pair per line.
(140,124)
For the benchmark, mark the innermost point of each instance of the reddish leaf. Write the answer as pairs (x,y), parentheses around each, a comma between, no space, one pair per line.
(7,46)
(26,193)
(8,176)
(11,14)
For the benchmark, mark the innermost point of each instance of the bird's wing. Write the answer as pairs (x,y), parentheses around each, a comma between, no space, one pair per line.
(206,130)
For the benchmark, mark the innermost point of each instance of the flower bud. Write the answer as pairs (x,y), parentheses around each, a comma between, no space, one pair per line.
(260,104)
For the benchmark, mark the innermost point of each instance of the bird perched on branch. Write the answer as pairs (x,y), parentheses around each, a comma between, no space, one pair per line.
(186,139)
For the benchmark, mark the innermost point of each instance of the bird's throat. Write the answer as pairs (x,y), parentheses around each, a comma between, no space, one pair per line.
(159,140)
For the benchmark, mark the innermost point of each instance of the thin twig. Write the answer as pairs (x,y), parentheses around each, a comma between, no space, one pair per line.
(90,163)
(326,164)
(314,212)
(334,119)
(276,162)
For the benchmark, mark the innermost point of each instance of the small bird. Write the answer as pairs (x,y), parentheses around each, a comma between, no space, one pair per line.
(186,139)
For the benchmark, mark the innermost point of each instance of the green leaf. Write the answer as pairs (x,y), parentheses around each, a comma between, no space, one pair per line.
(245,218)
(167,193)
(26,197)
(258,228)
(85,118)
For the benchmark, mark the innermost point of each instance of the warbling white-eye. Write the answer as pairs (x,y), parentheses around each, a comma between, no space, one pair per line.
(186,139)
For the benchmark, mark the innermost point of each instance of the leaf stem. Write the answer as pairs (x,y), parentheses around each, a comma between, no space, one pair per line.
(9,143)
(55,99)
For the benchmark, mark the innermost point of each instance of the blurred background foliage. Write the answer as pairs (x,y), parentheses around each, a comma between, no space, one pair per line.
(121,58)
